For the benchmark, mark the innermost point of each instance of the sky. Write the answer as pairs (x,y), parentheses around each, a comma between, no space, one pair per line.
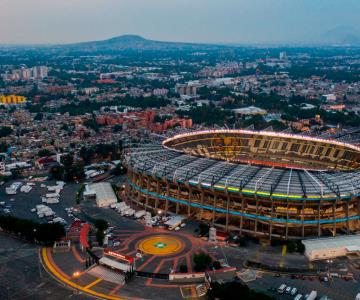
(228,21)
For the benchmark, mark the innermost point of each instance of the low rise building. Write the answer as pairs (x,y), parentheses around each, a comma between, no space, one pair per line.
(332,247)
(102,192)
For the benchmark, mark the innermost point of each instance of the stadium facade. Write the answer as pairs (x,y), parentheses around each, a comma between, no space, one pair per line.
(263,184)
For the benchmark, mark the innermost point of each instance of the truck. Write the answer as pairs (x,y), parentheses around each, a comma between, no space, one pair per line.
(139,214)
(130,212)
(174,222)
(312,295)
(13,188)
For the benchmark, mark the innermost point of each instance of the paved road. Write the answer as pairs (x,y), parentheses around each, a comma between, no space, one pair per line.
(22,277)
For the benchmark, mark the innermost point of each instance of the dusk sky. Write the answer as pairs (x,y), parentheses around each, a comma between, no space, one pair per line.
(235,21)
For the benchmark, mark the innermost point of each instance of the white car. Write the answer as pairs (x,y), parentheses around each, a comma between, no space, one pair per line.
(298,297)
(293,291)
(177,228)
(288,290)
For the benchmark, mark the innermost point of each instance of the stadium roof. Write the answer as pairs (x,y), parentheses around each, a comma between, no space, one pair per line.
(284,183)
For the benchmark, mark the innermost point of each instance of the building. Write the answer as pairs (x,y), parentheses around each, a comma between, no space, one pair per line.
(249,111)
(12,100)
(102,192)
(332,247)
(40,72)
(329,97)
(264,184)
(283,55)
(186,89)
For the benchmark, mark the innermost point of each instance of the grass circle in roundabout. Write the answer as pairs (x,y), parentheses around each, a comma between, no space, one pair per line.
(161,245)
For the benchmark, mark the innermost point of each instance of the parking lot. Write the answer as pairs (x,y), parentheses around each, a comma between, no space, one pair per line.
(20,205)
(337,289)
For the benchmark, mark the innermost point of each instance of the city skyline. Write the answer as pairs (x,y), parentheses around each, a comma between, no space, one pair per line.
(260,21)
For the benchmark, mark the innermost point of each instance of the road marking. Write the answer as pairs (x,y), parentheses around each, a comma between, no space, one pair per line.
(284,249)
(115,289)
(188,262)
(63,279)
(146,263)
(93,283)
(77,255)
(40,285)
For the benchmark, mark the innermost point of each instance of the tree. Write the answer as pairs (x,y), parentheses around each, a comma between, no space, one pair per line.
(203,229)
(234,291)
(91,123)
(300,247)
(44,153)
(72,170)
(57,172)
(216,265)
(3,147)
(101,224)
(183,268)
(5,131)
(202,261)
(32,231)
(86,154)
(39,116)
(118,170)
(117,128)
(100,237)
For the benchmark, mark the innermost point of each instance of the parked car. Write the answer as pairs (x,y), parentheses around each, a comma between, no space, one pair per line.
(298,297)
(293,291)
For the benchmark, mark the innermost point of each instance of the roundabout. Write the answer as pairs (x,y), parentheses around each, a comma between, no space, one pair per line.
(161,245)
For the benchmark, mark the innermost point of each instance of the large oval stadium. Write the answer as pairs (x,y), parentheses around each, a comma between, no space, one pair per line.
(257,183)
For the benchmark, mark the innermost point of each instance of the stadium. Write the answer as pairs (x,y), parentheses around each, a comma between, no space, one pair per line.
(256,183)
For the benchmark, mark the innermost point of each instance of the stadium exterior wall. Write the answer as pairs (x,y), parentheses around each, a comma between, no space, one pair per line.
(254,215)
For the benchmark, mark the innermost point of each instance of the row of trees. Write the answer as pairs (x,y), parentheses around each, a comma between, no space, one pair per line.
(101,151)
(234,290)
(32,231)
(100,225)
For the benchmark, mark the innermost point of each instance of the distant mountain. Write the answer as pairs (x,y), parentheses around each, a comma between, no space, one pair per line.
(135,42)
(342,35)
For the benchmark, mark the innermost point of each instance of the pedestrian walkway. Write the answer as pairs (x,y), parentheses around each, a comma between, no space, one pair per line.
(107,275)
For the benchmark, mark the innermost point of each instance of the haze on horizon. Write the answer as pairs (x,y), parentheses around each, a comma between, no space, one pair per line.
(228,21)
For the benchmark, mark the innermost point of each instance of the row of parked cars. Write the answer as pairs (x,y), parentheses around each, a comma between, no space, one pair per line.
(293,291)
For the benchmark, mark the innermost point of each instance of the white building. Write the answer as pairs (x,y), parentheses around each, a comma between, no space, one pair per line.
(103,193)
(329,97)
(326,248)
(249,111)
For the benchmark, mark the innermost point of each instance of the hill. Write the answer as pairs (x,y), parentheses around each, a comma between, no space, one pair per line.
(135,42)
